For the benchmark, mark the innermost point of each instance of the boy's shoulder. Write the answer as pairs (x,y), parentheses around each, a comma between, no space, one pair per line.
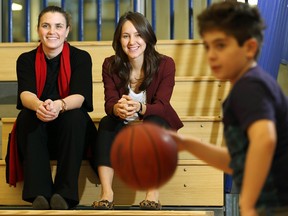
(257,73)
(256,82)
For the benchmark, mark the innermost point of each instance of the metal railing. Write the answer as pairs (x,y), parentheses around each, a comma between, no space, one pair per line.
(98,11)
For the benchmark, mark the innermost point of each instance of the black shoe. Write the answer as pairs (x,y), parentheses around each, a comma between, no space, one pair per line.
(57,202)
(40,203)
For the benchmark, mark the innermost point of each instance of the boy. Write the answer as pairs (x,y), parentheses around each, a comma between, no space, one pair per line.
(255,113)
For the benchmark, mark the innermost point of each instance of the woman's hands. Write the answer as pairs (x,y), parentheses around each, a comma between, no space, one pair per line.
(49,110)
(126,107)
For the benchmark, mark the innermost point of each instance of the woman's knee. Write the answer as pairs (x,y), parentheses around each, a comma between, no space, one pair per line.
(109,123)
(27,120)
(75,115)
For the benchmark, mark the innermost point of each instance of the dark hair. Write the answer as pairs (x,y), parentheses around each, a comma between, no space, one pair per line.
(235,19)
(121,64)
(55,9)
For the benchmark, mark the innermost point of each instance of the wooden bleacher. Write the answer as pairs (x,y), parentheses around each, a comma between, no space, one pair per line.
(197,98)
(105,213)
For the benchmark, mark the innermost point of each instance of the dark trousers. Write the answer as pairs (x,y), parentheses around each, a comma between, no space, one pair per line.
(280,211)
(108,128)
(66,140)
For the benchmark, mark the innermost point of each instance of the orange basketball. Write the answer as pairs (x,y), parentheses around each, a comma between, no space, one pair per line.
(144,156)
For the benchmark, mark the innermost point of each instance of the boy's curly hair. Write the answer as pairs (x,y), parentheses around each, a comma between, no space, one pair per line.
(233,18)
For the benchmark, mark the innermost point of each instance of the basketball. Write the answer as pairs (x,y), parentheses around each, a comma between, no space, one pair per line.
(144,156)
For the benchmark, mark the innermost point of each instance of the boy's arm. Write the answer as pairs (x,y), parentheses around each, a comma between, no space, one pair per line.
(215,156)
(262,144)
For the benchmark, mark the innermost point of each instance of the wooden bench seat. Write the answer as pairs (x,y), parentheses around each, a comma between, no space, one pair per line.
(197,99)
(106,213)
(207,129)
(185,183)
(187,54)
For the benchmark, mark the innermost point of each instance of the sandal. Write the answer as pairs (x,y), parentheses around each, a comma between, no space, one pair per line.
(150,205)
(103,205)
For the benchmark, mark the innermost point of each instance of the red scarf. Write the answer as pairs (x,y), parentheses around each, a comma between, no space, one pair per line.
(14,169)
(64,73)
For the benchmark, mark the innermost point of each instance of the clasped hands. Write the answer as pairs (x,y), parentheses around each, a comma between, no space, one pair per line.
(126,107)
(48,110)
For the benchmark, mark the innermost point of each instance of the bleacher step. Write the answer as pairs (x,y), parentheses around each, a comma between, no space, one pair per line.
(105,213)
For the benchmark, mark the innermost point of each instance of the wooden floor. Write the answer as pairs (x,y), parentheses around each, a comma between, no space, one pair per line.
(105,213)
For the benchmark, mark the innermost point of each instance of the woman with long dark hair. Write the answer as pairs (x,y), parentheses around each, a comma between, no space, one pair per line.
(138,85)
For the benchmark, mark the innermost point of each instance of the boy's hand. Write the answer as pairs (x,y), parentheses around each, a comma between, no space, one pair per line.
(178,139)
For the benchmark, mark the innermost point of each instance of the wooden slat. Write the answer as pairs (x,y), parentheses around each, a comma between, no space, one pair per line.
(105,213)
(190,97)
(194,183)
(9,53)
(188,56)
(207,129)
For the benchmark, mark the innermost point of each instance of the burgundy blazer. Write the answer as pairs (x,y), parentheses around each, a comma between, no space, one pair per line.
(158,93)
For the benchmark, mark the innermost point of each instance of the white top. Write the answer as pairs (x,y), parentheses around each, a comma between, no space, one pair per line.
(141,97)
